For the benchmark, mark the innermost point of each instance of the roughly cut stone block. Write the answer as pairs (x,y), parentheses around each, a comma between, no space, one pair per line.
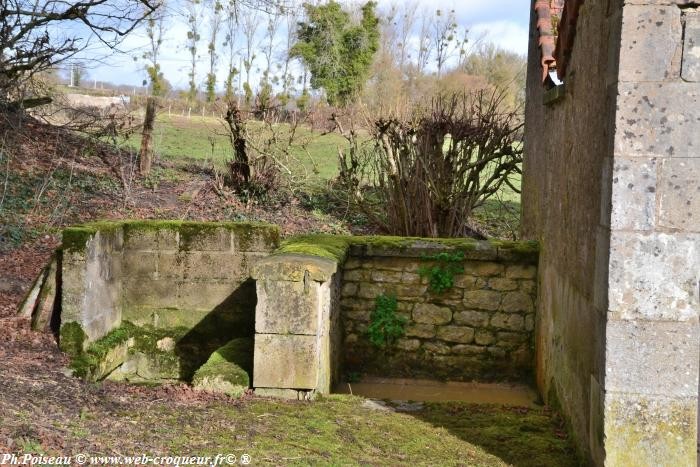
(482,299)
(460,334)
(285,361)
(519,271)
(426,313)
(516,302)
(386,276)
(425,331)
(483,337)
(408,345)
(468,350)
(472,318)
(509,321)
(437,348)
(482,268)
(502,284)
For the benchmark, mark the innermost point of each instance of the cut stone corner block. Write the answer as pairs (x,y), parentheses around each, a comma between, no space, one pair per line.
(297,334)
(294,268)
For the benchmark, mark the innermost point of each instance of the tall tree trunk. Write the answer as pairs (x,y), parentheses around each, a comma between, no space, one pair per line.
(146,156)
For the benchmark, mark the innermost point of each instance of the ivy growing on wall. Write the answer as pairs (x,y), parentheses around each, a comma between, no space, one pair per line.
(441,275)
(386,326)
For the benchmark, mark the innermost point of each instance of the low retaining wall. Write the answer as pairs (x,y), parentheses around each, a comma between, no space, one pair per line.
(317,295)
(186,285)
(154,301)
(479,329)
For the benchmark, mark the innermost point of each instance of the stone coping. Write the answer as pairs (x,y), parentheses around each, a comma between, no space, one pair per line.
(338,247)
(75,238)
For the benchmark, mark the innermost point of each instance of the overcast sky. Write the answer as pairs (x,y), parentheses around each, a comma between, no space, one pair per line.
(503,22)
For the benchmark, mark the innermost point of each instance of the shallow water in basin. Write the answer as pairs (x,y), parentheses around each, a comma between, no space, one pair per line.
(437,391)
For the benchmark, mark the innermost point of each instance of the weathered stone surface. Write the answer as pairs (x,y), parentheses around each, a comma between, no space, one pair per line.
(691,46)
(285,361)
(349,289)
(658,119)
(653,357)
(483,337)
(140,263)
(508,339)
(294,268)
(528,286)
(437,348)
(386,276)
(425,331)
(502,284)
(210,239)
(472,318)
(530,322)
(641,266)
(482,299)
(426,313)
(517,302)
(483,268)
(634,192)
(286,307)
(409,345)
(468,350)
(651,41)
(46,299)
(509,321)
(679,193)
(518,271)
(648,430)
(460,334)
(151,240)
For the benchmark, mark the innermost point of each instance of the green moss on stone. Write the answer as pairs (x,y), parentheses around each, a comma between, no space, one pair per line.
(336,247)
(228,369)
(77,237)
(72,338)
(333,247)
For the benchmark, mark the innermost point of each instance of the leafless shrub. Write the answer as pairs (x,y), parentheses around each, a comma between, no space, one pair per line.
(268,154)
(425,174)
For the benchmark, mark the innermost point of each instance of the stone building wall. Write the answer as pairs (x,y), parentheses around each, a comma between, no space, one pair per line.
(563,206)
(480,329)
(610,189)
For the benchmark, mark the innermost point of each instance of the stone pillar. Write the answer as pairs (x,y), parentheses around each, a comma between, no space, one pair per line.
(652,339)
(296,326)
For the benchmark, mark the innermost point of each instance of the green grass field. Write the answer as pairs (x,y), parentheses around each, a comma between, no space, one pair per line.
(178,138)
(314,160)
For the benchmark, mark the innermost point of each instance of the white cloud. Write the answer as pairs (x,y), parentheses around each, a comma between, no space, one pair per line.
(508,35)
(503,22)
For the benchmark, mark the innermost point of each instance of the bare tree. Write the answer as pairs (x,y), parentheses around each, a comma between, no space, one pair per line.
(444,38)
(250,23)
(230,44)
(30,41)
(291,18)
(155,30)
(215,10)
(425,43)
(273,23)
(194,24)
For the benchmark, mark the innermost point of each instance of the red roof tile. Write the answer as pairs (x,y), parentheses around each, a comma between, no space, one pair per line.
(556,23)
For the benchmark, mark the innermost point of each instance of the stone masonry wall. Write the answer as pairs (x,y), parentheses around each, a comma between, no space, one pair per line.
(163,274)
(610,185)
(481,329)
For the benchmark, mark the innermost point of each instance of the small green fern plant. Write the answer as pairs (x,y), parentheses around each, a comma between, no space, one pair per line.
(441,275)
(386,326)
